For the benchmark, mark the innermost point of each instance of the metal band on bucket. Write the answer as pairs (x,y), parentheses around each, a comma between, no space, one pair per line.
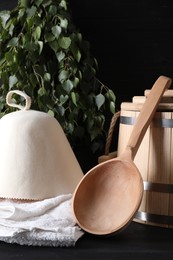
(156,122)
(155,218)
(158,187)
(150,186)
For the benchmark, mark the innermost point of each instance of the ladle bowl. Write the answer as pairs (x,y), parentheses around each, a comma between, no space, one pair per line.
(109,195)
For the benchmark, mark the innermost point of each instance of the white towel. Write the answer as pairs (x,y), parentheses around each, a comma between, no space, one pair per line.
(49,222)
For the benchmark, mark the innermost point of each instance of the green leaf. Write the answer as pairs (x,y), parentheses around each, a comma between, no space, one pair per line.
(60,55)
(78,55)
(40,44)
(31,47)
(51,113)
(63,75)
(2,61)
(67,85)
(65,42)
(47,76)
(4,16)
(63,99)
(99,120)
(49,37)
(21,13)
(63,23)
(76,52)
(90,123)
(13,42)
(79,37)
(76,82)
(112,107)
(12,81)
(70,128)
(94,133)
(53,10)
(110,94)
(37,21)
(63,4)
(31,11)
(38,2)
(100,99)
(37,33)
(11,28)
(33,79)
(41,92)
(73,97)
(54,45)
(56,31)
(24,3)
(61,110)
(9,57)
(46,2)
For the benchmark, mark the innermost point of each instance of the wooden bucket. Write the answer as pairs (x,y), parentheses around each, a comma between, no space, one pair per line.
(154,159)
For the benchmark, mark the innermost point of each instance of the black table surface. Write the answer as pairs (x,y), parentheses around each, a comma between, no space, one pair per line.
(137,241)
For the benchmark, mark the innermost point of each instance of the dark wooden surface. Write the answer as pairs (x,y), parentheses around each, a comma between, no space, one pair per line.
(136,242)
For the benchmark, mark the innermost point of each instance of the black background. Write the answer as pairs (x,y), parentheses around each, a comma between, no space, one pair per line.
(132,40)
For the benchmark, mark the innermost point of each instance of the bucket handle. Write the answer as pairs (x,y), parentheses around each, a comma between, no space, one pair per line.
(108,155)
(20,93)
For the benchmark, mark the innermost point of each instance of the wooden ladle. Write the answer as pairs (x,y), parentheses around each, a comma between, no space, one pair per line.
(109,195)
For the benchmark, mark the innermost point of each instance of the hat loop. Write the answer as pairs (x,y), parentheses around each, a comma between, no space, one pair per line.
(21,93)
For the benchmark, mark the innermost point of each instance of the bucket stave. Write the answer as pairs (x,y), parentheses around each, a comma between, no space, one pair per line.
(154,160)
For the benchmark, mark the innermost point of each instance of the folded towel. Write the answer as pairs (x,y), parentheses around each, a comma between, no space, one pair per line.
(47,222)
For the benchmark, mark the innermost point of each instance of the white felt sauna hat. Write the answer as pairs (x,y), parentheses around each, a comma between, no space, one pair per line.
(36,159)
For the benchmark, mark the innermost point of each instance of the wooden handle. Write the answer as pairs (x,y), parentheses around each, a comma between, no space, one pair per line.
(167,96)
(167,93)
(147,113)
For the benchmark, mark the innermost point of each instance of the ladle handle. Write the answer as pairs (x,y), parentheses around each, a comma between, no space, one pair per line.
(147,112)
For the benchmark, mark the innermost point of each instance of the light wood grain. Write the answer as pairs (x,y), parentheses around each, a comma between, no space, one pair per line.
(154,159)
